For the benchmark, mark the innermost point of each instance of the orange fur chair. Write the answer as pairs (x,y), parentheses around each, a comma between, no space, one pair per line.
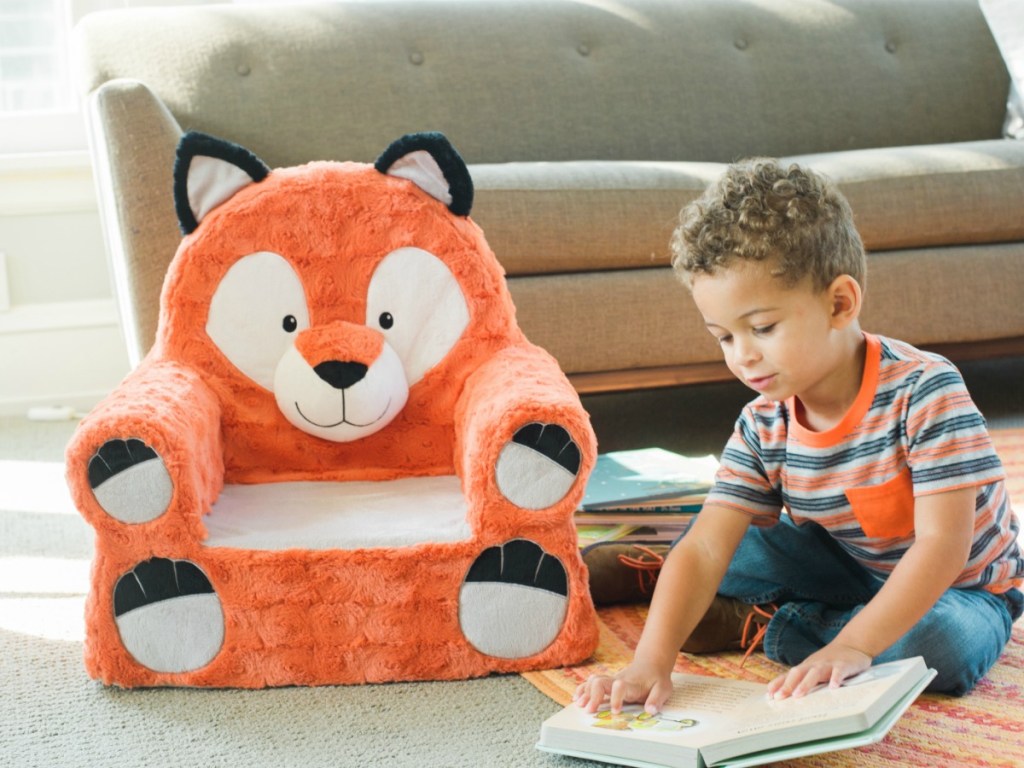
(342,462)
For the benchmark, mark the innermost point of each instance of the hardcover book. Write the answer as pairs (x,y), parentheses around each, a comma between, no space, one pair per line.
(710,722)
(638,478)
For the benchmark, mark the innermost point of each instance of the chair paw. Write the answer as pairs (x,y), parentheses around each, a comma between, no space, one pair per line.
(538,466)
(130,481)
(168,615)
(514,599)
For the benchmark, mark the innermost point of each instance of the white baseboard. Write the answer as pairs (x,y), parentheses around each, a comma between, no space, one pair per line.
(66,353)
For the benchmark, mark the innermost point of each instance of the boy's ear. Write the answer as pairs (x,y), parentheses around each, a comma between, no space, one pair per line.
(847,298)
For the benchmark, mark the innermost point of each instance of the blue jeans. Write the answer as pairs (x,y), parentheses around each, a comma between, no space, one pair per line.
(820,588)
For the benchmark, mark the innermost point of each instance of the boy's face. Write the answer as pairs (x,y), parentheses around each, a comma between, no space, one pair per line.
(774,337)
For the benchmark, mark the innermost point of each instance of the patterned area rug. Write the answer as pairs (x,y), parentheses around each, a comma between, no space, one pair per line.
(983,729)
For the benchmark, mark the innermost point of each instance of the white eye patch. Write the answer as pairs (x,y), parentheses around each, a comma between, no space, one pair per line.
(256,312)
(416,302)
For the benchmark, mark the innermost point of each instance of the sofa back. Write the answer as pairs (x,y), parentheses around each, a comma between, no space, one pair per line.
(540,80)
(587,125)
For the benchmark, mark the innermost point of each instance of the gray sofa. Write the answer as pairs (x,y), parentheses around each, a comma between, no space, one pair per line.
(587,126)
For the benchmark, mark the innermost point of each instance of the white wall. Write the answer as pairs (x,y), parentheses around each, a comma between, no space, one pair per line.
(60,342)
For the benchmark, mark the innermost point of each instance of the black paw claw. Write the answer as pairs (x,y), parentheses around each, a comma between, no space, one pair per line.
(156,580)
(553,441)
(115,456)
(521,562)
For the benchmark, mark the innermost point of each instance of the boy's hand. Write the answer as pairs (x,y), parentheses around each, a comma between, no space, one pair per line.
(832,665)
(693,568)
(634,684)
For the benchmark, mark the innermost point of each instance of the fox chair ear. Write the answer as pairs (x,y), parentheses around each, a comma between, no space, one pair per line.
(431,163)
(207,172)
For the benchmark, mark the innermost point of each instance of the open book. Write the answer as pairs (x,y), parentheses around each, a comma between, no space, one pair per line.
(709,721)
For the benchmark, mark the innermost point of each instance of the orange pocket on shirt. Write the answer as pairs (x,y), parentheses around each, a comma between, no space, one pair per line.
(885,511)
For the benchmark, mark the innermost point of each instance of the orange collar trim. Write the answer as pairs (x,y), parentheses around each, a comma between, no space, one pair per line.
(856,412)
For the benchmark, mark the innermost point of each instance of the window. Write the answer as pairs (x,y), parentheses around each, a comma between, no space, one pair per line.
(38,109)
(34,74)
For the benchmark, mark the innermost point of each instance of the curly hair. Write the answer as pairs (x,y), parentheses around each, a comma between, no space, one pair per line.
(792,218)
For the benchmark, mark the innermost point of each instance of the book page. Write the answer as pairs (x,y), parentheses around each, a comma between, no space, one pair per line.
(761,723)
(697,706)
(855,696)
(710,695)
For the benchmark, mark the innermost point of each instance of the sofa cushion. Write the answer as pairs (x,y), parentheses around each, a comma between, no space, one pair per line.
(912,197)
(587,216)
(644,318)
(584,216)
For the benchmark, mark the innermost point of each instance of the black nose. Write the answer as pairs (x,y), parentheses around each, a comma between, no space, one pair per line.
(340,375)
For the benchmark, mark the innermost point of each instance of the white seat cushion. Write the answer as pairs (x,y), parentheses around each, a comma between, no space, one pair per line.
(327,515)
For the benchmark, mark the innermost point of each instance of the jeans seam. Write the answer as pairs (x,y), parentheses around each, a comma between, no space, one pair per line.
(783,619)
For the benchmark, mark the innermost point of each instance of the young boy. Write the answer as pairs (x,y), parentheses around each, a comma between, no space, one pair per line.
(899,539)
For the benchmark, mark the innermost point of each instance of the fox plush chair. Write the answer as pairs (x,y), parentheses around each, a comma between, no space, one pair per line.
(342,461)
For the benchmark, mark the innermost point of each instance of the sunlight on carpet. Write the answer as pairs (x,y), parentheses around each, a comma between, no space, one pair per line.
(35,486)
(41,597)
(44,597)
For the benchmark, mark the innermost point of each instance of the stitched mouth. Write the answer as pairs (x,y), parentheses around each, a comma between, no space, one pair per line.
(343,419)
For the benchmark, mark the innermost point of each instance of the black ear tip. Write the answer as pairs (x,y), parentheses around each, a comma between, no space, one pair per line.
(194,144)
(460,184)
(190,139)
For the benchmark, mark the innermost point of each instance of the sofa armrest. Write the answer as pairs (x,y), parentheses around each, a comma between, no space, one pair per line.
(132,138)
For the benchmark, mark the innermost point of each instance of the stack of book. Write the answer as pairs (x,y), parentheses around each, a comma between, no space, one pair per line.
(647,494)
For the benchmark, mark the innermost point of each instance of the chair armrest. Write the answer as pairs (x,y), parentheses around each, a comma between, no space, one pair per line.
(524,444)
(148,460)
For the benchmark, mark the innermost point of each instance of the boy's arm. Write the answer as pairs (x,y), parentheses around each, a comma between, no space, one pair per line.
(944,532)
(686,586)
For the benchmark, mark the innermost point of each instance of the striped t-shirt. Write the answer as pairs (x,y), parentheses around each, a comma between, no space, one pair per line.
(913,430)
